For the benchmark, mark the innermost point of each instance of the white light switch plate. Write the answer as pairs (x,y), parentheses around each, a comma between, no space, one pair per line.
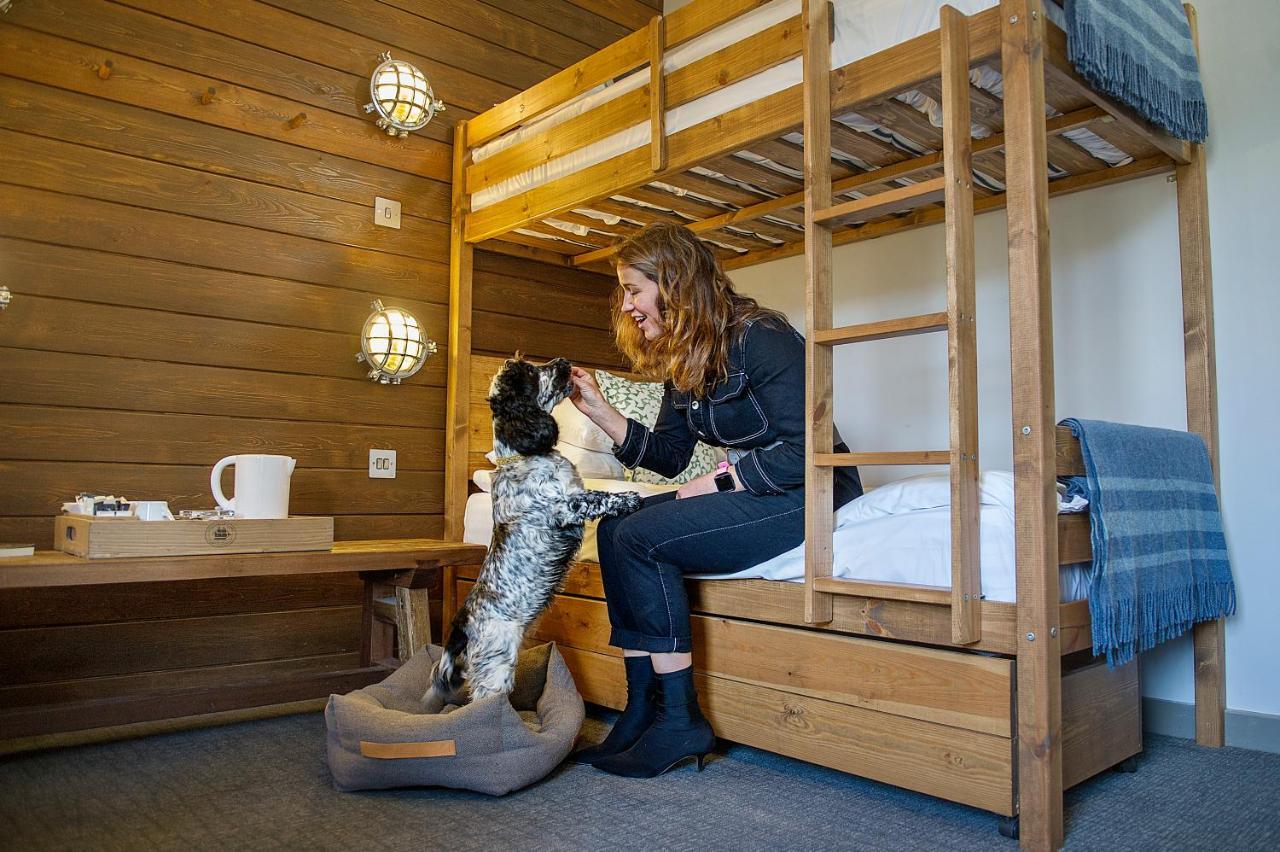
(386,213)
(382,464)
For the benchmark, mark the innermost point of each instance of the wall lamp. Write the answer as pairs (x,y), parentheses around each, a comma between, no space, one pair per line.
(402,97)
(393,344)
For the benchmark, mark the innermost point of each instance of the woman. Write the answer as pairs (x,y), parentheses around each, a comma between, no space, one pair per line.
(734,377)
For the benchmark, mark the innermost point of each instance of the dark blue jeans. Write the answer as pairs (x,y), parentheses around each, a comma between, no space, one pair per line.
(644,556)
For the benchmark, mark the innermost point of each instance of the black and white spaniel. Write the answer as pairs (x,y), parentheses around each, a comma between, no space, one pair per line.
(539,508)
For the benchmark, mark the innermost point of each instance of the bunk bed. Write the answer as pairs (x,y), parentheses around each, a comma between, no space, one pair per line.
(776,129)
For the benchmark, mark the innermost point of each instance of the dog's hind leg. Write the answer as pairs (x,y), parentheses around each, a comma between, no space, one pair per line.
(589,505)
(491,657)
(447,674)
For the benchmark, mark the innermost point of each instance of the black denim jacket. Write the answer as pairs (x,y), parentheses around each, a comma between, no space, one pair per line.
(758,410)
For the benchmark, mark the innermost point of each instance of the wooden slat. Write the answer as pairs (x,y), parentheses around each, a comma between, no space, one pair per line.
(37,655)
(461,272)
(92,381)
(564,138)
(568,18)
(921,457)
(883,330)
(962,335)
(621,57)
(939,595)
(631,14)
(818,404)
(657,98)
(738,61)
(700,16)
(40,488)
(49,433)
(1202,404)
(892,201)
(1031,333)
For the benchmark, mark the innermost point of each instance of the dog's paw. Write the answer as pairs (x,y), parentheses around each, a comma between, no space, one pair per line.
(628,502)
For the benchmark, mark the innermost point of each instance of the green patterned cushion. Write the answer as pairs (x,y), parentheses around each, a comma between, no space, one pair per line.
(640,401)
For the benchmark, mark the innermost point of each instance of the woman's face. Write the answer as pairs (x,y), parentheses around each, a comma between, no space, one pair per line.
(640,301)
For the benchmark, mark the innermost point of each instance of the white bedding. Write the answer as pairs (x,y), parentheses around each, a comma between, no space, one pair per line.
(903,547)
(862,28)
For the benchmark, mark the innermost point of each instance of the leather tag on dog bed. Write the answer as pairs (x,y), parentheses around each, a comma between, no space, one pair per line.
(394,751)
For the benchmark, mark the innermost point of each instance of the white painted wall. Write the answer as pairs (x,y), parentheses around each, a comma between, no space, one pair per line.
(1117,328)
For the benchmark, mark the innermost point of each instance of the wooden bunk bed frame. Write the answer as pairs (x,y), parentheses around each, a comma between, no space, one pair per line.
(929,688)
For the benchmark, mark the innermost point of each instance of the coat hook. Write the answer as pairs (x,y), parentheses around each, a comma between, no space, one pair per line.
(104,70)
(297,121)
(207,97)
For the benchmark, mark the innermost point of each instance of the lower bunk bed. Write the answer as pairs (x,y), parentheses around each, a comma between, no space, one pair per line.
(863,694)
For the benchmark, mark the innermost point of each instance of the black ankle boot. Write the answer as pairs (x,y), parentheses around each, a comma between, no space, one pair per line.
(642,707)
(678,733)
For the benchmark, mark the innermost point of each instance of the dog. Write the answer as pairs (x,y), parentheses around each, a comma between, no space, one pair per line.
(539,509)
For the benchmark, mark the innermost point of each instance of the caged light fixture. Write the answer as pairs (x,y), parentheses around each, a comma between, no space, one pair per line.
(393,344)
(402,97)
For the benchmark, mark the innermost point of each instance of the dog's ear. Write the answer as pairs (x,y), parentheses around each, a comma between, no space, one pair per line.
(518,421)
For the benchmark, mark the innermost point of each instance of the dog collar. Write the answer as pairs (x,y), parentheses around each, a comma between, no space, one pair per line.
(501,461)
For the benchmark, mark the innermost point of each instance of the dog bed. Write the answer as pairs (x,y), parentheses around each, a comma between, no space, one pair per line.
(380,736)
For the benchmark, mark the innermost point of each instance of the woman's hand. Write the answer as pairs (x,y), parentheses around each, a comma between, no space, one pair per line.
(705,484)
(587,398)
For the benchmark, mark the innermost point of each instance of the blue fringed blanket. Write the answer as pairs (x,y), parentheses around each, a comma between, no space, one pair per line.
(1140,52)
(1159,554)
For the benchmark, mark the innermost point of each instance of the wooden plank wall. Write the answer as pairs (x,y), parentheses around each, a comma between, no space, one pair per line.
(191,263)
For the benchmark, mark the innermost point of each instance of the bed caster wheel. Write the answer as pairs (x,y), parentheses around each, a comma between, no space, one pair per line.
(1128,766)
(1009,827)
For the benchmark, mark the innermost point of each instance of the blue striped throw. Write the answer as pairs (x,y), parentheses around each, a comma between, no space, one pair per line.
(1159,554)
(1140,52)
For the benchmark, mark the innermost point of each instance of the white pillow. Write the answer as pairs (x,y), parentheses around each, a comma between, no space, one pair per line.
(926,491)
(577,429)
(592,465)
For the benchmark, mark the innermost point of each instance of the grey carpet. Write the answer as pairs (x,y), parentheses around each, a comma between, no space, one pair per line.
(264,785)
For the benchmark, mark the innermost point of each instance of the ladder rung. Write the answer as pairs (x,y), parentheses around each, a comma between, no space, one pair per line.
(883,203)
(883,330)
(852,459)
(884,591)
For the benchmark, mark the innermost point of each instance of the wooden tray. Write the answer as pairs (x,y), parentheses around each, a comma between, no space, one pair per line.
(101,538)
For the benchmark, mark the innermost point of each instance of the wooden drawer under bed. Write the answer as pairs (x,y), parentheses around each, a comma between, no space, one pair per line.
(936,720)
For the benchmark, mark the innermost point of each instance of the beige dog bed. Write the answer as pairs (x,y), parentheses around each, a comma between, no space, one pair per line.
(379,736)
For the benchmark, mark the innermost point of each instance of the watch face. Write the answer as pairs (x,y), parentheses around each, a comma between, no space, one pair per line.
(724,481)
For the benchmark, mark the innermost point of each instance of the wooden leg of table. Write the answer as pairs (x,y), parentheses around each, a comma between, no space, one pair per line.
(378,636)
(413,621)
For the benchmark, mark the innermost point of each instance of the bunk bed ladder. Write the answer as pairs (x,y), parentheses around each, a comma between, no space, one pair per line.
(955,189)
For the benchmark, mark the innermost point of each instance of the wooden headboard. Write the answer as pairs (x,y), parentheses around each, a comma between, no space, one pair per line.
(480,420)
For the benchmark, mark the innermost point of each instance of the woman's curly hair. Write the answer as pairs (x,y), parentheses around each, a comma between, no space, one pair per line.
(701,312)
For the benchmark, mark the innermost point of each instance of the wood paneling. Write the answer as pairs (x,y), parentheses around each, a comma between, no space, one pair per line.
(191,275)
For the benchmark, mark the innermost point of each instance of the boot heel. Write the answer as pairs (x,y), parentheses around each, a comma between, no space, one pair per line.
(702,759)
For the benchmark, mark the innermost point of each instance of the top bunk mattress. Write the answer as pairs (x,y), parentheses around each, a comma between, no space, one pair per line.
(862,28)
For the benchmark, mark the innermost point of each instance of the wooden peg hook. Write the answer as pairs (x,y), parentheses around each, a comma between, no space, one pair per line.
(207,97)
(104,70)
(297,121)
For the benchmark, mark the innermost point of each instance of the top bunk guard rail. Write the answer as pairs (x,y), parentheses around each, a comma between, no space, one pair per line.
(911,64)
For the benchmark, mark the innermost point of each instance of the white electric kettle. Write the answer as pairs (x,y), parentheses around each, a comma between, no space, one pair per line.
(262,485)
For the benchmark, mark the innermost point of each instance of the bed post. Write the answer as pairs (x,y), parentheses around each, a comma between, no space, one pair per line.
(458,393)
(1039,755)
(1202,404)
(818,359)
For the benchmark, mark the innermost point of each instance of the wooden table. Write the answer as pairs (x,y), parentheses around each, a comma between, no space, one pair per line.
(401,567)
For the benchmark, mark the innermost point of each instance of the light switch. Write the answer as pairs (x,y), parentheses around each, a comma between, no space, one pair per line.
(386,213)
(382,464)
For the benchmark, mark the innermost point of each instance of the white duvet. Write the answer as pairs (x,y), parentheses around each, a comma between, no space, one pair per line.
(900,532)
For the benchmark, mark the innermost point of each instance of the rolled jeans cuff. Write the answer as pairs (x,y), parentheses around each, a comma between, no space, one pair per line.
(632,641)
